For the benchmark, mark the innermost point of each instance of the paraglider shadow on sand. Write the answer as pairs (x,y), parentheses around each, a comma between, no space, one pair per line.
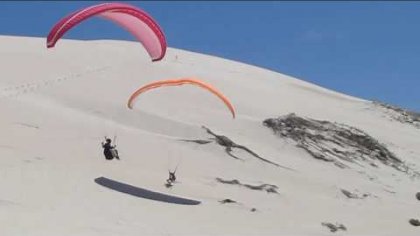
(143,193)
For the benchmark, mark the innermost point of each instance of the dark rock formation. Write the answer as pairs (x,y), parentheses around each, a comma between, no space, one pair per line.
(400,114)
(349,194)
(336,143)
(334,227)
(414,222)
(269,188)
(227,200)
(199,141)
(354,195)
(229,145)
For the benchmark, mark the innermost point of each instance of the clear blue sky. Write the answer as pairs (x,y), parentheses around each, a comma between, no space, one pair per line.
(366,49)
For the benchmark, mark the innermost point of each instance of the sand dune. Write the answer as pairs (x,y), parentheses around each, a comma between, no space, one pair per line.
(58,104)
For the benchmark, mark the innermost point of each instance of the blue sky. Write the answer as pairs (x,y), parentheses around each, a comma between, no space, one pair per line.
(365,49)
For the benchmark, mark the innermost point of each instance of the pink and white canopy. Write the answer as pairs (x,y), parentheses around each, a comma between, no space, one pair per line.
(133,19)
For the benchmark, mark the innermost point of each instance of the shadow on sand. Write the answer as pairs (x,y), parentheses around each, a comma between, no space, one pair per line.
(143,193)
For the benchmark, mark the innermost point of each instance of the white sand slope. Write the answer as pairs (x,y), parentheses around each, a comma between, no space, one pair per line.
(58,104)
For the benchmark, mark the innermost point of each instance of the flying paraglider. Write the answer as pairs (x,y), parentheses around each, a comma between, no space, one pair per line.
(177,82)
(136,21)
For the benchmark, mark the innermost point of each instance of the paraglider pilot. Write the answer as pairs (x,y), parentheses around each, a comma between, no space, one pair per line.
(109,150)
(170,181)
(171,178)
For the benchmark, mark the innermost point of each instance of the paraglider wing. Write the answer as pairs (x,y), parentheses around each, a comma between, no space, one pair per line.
(178,82)
(134,20)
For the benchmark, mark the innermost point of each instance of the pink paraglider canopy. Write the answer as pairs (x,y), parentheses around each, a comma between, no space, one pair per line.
(134,20)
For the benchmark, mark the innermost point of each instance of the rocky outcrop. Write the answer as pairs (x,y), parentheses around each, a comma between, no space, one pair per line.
(229,145)
(335,143)
(334,227)
(269,188)
(414,222)
(353,195)
(400,114)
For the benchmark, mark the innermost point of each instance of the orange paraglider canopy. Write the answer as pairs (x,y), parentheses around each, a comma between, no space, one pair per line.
(177,82)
